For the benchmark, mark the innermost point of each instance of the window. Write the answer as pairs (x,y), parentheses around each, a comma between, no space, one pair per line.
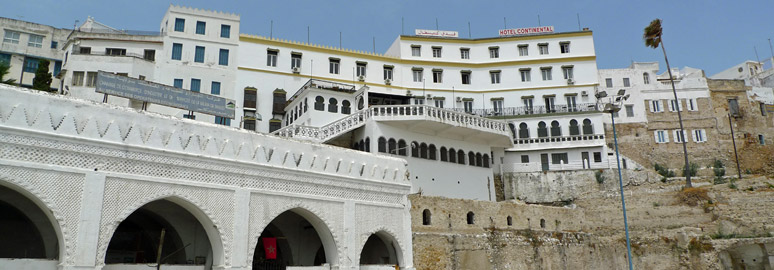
(567,72)
(225,31)
(527,105)
(546,73)
(762,105)
(542,130)
(525,75)
(471,218)
(556,129)
(196,85)
(271,58)
(645,78)
(319,103)
(77,78)
(626,82)
(465,77)
(11,37)
(417,75)
(249,122)
(177,51)
(402,147)
(223,57)
(523,50)
(733,107)
(559,158)
(431,152)
(549,102)
(468,105)
(178,83)
(675,105)
(497,105)
(179,25)
(465,53)
(609,82)
(333,105)
(222,121)
(494,52)
(392,146)
(333,66)
(388,73)
(629,110)
(423,150)
(471,158)
(437,76)
(543,48)
(346,107)
(597,157)
(6,58)
(436,52)
(574,128)
(761,139)
(115,51)
(416,50)
(678,137)
(251,96)
(588,129)
(524,158)
(564,47)
(361,69)
(494,76)
(414,149)
(215,88)
(149,55)
(426,217)
(419,100)
(30,64)
(572,105)
(200,26)
(199,54)
(523,131)
(439,103)
(655,106)
(274,124)
(91,79)
(57,68)
(699,135)
(509,220)
(295,60)
(444,154)
(35,41)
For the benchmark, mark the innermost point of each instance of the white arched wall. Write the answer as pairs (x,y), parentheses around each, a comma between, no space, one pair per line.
(49,210)
(389,238)
(210,227)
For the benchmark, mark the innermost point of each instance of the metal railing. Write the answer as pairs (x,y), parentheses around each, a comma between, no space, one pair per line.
(120,32)
(531,110)
(135,55)
(392,112)
(572,138)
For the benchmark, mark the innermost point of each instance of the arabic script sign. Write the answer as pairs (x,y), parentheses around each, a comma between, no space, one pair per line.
(436,33)
(141,90)
(526,31)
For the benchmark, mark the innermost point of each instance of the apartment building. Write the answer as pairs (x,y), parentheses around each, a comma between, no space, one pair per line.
(25,44)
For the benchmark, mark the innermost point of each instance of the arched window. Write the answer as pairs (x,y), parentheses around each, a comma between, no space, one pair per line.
(431,152)
(523,131)
(646,78)
(360,103)
(392,146)
(444,154)
(471,218)
(452,155)
(306,104)
(333,105)
(486,161)
(362,145)
(382,145)
(513,129)
(460,157)
(509,220)
(402,147)
(587,128)
(542,223)
(414,149)
(345,107)
(542,130)
(319,103)
(368,144)
(556,130)
(426,215)
(356,146)
(574,128)
(479,160)
(423,150)
(471,158)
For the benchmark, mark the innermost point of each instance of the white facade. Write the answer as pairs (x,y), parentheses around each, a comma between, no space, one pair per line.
(24,43)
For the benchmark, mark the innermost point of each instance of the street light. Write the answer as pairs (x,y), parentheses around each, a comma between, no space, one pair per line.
(613,105)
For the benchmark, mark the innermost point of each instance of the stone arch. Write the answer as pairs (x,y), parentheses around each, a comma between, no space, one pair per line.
(328,236)
(210,225)
(57,250)
(388,237)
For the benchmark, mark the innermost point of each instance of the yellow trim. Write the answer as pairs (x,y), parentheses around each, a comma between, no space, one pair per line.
(497,39)
(395,60)
(415,89)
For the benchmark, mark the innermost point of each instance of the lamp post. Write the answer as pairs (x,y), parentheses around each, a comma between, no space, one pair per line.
(613,105)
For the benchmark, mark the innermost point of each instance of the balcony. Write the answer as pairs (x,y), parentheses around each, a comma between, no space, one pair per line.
(510,112)
(572,141)
(132,55)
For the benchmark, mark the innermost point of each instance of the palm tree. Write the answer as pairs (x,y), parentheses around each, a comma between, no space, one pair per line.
(653,39)
(4,70)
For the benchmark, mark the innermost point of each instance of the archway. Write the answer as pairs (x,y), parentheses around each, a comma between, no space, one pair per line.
(380,249)
(186,241)
(296,238)
(27,231)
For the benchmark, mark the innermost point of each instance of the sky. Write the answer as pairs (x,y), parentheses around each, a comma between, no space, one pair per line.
(712,35)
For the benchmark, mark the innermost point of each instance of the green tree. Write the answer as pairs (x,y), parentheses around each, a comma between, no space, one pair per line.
(43,78)
(653,39)
(4,70)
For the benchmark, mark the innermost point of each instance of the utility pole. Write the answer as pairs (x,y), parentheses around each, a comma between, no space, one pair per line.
(733,140)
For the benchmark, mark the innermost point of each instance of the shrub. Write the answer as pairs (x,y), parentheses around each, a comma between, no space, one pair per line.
(693,168)
(720,171)
(599,176)
(692,196)
(663,171)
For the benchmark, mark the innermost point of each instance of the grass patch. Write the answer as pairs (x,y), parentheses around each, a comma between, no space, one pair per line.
(692,196)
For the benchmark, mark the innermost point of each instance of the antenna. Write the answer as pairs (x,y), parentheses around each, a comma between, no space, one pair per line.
(469,35)
(756,55)
(374,44)
(505,24)
(770,49)
(539,20)
(307,35)
(436,24)
(578,15)
(271,29)
(402,29)
(339,40)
